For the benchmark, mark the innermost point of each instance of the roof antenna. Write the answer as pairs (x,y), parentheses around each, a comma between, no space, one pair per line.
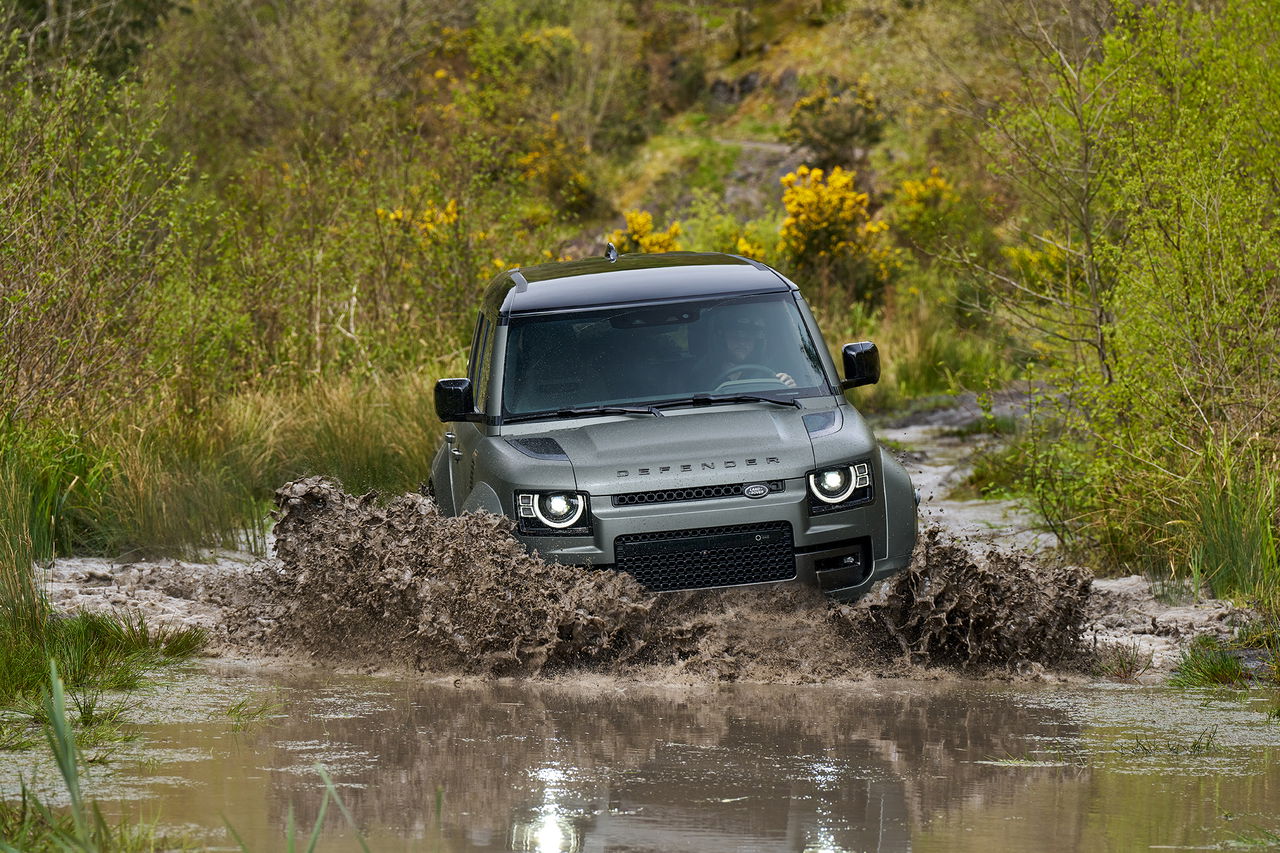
(611,253)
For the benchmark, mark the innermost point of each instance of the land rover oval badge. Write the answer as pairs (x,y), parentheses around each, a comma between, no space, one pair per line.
(755,490)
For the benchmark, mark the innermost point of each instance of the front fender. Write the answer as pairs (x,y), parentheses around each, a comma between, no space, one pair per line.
(442,480)
(482,498)
(900,513)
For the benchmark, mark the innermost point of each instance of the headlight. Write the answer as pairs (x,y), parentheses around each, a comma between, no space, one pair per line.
(832,485)
(555,510)
(839,483)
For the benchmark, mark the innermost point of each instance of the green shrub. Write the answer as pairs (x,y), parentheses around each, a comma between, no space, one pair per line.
(838,122)
(1141,273)
(86,203)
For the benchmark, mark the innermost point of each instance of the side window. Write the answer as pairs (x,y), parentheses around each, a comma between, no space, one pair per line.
(485,365)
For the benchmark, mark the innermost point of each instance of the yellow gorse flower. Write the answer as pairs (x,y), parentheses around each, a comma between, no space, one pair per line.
(640,236)
(432,224)
(750,250)
(827,217)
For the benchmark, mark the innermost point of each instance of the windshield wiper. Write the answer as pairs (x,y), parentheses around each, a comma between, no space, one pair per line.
(587,411)
(714,399)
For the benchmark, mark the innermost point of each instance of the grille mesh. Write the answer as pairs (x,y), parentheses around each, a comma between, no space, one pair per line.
(708,556)
(695,493)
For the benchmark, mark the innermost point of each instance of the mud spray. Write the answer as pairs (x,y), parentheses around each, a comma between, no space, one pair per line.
(401,584)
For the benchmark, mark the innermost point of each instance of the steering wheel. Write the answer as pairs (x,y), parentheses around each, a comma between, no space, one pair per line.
(754,371)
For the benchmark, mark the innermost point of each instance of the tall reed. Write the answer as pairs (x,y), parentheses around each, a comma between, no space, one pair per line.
(1234,543)
(23,608)
(31,826)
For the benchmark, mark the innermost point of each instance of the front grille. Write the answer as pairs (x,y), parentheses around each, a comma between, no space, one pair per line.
(695,493)
(708,556)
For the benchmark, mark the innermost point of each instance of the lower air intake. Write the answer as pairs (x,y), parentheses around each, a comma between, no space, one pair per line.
(708,556)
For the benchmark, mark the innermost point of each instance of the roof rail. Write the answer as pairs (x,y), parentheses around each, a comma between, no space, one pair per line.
(753,262)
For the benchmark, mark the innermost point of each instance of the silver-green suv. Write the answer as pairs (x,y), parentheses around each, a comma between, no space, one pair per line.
(674,416)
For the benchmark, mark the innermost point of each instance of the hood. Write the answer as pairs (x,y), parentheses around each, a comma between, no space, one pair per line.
(687,448)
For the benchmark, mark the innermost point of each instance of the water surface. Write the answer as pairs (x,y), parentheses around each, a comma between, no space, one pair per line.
(881,765)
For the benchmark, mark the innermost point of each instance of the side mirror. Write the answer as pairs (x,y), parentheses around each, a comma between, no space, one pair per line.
(861,365)
(454,400)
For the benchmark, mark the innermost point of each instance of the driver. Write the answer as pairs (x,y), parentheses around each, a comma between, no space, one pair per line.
(738,346)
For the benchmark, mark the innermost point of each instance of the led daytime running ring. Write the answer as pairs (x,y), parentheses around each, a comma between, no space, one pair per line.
(840,498)
(568,522)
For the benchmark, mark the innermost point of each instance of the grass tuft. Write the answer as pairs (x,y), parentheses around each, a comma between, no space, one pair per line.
(1204,743)
(1237,550)
(1205,663)
(30,826)
(247,713)
(1123,661)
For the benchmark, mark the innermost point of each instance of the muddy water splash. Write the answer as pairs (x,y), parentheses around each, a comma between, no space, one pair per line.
(954,607)
(401,584)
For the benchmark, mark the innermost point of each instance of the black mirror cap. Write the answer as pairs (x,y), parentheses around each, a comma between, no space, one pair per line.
(861,365)
(454,400)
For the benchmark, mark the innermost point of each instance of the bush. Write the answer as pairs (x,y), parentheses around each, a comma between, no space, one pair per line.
(1145,280)
(926,212)
(837,123)
(87,204)
(709,227)
(828,233)
(639,235)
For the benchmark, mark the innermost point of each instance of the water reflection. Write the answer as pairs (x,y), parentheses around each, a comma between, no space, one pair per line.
(540,767)
(551,768)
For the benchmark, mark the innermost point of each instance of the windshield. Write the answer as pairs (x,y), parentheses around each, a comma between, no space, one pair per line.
(754,345)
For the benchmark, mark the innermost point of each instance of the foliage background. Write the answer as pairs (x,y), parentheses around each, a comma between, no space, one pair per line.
(240,239)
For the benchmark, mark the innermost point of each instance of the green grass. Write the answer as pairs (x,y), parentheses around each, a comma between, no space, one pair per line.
(1204,743)
(30,826)
(924,350)
(176,486)
(1236,548)
(1205,663)
(248,713)
(1257,838)
(1123,661)
(95,652)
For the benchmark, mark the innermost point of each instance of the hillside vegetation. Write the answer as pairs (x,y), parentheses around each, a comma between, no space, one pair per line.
(242,238)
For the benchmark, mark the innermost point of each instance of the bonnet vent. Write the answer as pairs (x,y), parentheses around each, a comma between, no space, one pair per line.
(539,448)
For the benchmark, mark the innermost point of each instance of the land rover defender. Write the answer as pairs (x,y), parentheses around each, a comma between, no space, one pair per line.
(675,416)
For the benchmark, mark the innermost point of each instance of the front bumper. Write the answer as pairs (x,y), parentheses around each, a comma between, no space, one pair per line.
(842,553)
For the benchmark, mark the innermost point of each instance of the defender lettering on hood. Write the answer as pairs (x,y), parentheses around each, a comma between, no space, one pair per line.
(689,467)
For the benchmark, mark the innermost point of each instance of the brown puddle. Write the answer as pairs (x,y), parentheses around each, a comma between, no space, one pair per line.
(609,765)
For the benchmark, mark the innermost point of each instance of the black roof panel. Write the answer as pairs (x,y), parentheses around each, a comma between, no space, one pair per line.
(594,282)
